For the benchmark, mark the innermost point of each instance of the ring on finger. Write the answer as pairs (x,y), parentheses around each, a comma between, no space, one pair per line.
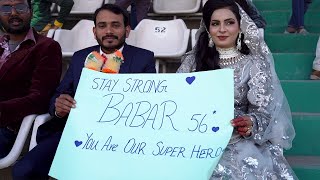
(248,133)
(249,130)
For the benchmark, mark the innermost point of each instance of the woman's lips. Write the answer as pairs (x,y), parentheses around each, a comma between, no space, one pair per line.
(221,38)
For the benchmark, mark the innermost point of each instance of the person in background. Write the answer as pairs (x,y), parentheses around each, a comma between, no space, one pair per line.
(30,69)
(315,75)
(42,21)
(139,9)
(111,29)
(252,12)
(296,22)
(229,39)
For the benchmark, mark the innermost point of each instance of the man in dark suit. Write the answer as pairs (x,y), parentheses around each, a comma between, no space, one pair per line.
(111,29)
(30,70)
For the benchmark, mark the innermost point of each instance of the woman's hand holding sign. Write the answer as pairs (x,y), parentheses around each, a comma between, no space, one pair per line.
(243,125)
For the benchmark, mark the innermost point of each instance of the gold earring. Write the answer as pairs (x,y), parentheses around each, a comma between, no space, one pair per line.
(239,42)
(211,43)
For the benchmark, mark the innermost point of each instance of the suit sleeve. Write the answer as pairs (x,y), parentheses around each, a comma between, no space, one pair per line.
(150,66)
(65,87)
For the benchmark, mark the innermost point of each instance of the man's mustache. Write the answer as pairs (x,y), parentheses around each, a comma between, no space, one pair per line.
(109,36)
(14,18)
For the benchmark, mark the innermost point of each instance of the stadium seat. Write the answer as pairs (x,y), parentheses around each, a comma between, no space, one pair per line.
(109,1)
(176,6)
(203,2)
(53,7)
(167,39)
(17,148)
(193,37)
(50,33)
(79,37)
(85,6)
(41,119)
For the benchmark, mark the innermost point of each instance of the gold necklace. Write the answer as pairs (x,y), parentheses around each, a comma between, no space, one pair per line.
(229,56)
(230,61)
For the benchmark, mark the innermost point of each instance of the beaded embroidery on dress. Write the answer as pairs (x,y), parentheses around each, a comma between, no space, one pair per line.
(258,94)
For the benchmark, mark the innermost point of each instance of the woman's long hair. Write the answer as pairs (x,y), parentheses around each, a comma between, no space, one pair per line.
(207,58)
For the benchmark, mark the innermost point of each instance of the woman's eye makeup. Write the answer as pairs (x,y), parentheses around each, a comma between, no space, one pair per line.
(230,22)
(215,23)
(226,22)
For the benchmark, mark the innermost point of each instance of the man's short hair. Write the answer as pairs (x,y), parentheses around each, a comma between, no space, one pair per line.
(29,4)
(114,9)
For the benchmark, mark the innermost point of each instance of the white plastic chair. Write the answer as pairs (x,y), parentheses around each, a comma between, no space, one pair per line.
(167,39)
(176,6)
(19,142)
(109,1)
(193,37)
(203,2)
(41,119)
(85,6)
(53,7)
(50,33)
(79,37)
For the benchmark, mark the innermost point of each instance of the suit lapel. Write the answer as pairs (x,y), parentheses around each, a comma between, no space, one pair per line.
(126,52)
(15,57)
(96,48)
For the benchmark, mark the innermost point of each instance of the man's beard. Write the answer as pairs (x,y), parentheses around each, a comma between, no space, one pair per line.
(111,48)
(25,26)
